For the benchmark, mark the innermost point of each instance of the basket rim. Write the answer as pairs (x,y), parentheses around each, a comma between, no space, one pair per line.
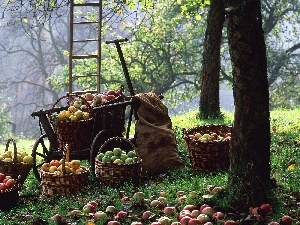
(45,173)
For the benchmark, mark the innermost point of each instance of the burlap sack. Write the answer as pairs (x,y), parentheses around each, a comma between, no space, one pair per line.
(155,139)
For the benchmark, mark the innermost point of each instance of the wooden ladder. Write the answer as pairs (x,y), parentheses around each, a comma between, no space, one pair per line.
(76,23)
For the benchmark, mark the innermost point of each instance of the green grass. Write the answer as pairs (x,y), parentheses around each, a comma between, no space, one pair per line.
(285,124)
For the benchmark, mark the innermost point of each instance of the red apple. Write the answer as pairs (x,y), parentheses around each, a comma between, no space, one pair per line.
(208,223)
(10,182)
(255,210)
(218,216)
(202,207)
(195,213)
(110,97)
(3,186)
(136,223)
(111,92)
(169,210)
(113,222)
(93,203)
(189,207)
(185,220)
(155,223)
(230,222)
(89,96)
(121,214)
(56,217)
(146,215)
(266,208)
(286,220)
(2,176)
(216,189)
(194,221)
(74,212)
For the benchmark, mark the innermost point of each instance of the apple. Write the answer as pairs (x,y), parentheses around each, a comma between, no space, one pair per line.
(273,223)
(230,222)
(10,182)
(181,199)
(155,223)
(56,217)
(208,223)
(156,204)
(216,190)
(162,199)
(165,220)
(28,159)
(183,213)
(77,104)
(3,186)
(93,203)
(113,222)
(286,220)
(111,209)
(208,211)
(185,220)
(88,208)
(203,218)
(218,216)
(195,213)
(189,207)
(110,97)
(255,210)
(180,193)
(136,223)
(6,178)
(203,206)
(100,215)
(74,212)
(2,176)
(97,99)
(121,214)
(78,114)
(266,208)
(52,169)
(146,215)
(169,210)
(54,162)
(88,96)
(258,217)
(194,221)
(75,164)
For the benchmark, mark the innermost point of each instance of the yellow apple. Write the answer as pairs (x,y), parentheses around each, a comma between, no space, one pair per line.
(9,153)
(75,164)
(46,167)
(52,169)
(28,159)
(72,109)
(78,114)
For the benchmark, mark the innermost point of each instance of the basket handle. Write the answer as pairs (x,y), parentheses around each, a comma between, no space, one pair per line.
(15,148)
(117,138)
(73,96)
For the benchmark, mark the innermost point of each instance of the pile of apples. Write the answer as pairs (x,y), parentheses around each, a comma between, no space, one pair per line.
(100,98)
(56,167)
(118,156)
(73,114)
(6,182)
(22,157)
(158,211)
(209,137)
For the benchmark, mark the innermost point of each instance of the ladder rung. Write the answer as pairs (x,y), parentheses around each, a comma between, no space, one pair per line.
(86,40)
(86,22)
(87,75)
(84,56)
(88,4)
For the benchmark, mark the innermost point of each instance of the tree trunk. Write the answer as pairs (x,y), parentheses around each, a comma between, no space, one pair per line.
(209,96)
(249,172)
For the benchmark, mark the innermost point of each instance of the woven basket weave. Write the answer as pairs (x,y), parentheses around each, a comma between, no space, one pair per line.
(15,169)
(110,173)
(211,156)
(53,184)
(76,135)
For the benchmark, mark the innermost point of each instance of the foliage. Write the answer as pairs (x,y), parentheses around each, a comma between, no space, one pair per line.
(6,126)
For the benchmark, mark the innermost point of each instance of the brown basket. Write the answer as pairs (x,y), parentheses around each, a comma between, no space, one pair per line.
(53,184)
(76,135)
(9,197)
(15,169)
(110,173)
(211,156)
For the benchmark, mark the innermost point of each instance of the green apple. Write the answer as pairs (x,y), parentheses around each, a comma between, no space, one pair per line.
(117,151)
(128,161)
(100,156)
(113,158)
(123,157)
(109,153)
(131,154)
(106,159)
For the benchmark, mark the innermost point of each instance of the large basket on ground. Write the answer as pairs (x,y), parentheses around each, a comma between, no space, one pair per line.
(77,135)
(9,197)
(210,155)
(111,173)
(65,184)
(15,168)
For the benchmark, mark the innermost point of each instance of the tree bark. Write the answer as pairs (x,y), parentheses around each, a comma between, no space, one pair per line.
(249,172)
(209,106)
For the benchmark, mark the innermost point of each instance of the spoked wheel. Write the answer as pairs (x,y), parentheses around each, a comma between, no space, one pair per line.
(41,153)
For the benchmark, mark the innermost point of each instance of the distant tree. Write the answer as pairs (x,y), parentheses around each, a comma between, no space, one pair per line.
(210,74)
(249,172)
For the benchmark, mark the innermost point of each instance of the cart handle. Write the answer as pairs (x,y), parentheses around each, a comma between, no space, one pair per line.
(123,63)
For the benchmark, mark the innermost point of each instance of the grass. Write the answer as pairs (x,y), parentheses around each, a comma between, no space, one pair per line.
(285,158)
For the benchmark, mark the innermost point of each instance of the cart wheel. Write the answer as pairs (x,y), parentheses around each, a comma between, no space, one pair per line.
(41,153)
(98,141)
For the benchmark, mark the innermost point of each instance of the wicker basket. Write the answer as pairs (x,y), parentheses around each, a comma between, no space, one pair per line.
(110,173)
(15,169)
(9,197)
(210,156)
(76,135)
(53,184)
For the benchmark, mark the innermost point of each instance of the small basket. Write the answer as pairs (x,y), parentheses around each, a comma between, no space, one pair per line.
(211,156)
(76,135)
(15,169)
(110,173)
(53,184)
(9,197)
